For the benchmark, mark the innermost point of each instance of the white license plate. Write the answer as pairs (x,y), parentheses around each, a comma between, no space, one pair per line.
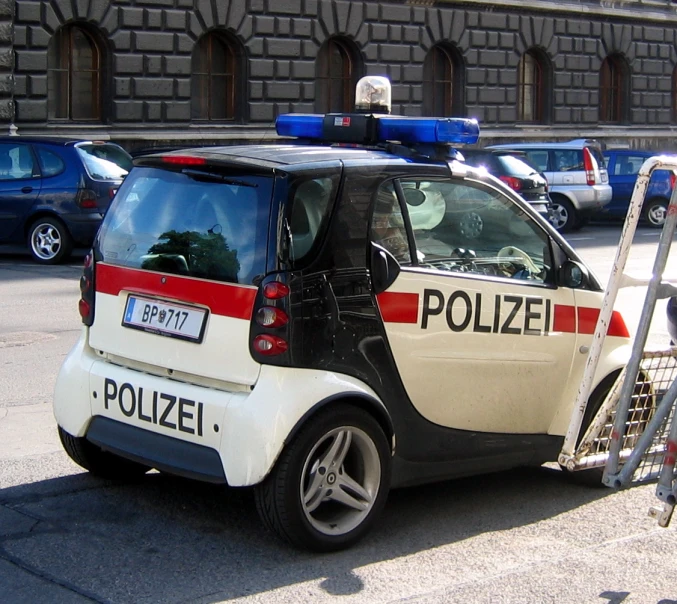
(165,318)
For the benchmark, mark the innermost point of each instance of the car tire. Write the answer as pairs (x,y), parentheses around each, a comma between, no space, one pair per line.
(341,450)
(563,215)
(49,241)
(99,462)
(655,211)
(592,477)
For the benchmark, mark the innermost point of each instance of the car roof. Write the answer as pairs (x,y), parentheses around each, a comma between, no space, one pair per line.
(632,152)
(574,144)
(276,155)
(52,140)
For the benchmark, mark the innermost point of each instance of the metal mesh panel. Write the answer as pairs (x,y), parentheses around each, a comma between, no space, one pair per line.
(657,372)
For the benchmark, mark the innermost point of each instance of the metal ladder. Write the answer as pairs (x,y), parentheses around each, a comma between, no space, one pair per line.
(634,433)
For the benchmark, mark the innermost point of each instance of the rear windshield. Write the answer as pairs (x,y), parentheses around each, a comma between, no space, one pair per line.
(104,161)
(515,166)
(173,223)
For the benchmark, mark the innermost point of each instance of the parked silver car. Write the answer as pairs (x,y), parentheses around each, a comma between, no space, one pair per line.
(577,175)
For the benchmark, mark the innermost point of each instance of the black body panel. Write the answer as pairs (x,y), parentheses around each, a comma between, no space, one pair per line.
(157,450)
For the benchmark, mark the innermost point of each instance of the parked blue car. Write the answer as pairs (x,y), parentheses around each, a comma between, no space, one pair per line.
(623,166)
(54,192)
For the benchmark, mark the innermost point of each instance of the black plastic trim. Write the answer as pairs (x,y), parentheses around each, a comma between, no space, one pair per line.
(157,450)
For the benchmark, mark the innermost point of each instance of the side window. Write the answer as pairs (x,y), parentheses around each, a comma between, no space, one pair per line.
(463,226)
(387,224)
(628,165)
(539,159)
(568,160)
(16,162)
(50,163)
(309,212)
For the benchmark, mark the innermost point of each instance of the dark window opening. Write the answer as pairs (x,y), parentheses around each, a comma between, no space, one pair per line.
(614,87)
(337,72)
(74,67)
(215,79)
(442,82)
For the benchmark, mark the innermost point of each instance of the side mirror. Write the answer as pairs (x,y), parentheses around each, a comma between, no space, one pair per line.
(573,274)
(384,268)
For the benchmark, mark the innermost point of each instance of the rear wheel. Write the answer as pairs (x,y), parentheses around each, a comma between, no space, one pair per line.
(563,215)
(655,211)
(330,483)
(97,461)
(49,241)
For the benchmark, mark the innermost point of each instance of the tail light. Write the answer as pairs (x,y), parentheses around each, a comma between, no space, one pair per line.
(270,319)
(269,345)
(86,303)
(672,180)
(589,166)
(514,183)
(86,199)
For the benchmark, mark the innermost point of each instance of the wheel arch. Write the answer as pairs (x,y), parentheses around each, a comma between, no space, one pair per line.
(362,401)
(37,215)
(557,195)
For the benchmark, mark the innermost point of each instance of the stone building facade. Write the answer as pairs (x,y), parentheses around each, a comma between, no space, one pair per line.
(526,70)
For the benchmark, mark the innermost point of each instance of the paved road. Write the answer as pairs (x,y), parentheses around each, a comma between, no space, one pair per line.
(527,536)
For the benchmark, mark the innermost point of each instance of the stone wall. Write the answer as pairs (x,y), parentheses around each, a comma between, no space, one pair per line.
(149,43)
(6,62)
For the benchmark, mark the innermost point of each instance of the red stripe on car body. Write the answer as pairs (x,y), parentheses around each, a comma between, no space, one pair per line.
(398,307)
(225,299)
(564,319)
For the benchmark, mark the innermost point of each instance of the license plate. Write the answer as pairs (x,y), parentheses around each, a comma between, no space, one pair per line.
(165,318)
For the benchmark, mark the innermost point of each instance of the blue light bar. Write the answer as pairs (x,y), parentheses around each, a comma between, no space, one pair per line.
(428,130)
(300,125)
(373,129)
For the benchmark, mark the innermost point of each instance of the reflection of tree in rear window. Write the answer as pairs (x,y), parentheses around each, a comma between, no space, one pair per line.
(169,222)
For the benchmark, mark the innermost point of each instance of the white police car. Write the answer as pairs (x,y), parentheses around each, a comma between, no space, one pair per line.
(309,320)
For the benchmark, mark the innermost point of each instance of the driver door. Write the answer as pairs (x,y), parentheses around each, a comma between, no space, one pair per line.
(478,329)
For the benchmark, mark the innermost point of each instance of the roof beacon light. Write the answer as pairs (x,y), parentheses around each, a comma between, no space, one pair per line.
(372,124)
(372,95)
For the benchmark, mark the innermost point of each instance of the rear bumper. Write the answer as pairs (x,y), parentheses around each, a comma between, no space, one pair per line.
(183,428)
(585,198)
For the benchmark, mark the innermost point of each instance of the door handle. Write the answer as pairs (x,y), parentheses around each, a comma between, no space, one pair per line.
(26,189)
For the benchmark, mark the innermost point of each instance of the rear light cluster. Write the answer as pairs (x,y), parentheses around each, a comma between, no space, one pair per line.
(673,177)
(270,317)
(86,303)
(86,199)
(589,166)
(514,183)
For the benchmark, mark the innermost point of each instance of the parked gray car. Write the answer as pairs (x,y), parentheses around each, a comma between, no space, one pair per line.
(577,175)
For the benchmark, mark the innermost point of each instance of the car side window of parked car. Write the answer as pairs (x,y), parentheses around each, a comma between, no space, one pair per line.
(628,165)
(50,163)
(539,159)
(567,160)
(16,162)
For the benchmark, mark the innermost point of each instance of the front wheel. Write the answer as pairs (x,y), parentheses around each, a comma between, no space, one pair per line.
(655,211)
(49,241)
(330,483)
(563,215)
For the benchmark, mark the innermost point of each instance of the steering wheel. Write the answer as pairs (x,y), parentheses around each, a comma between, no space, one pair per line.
(516,261)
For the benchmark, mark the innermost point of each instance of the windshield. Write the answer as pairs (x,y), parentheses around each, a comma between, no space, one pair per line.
(183,224)
(105,161)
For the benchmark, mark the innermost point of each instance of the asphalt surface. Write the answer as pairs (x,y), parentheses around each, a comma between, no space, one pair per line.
(527,536)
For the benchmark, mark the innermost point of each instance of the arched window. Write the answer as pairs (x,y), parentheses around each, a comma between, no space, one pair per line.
(443,82)
(337,70)
(614,90)
(216,79)
(533,80)
(673,113)
(74,74)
